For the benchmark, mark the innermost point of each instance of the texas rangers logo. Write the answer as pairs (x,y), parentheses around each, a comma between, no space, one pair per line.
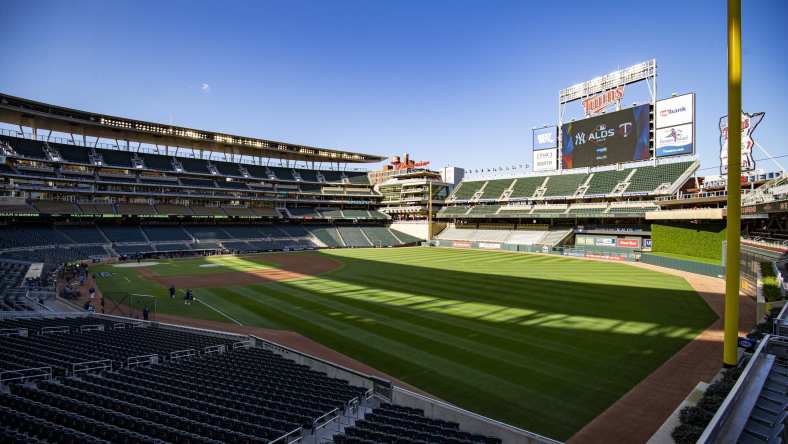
(748,124)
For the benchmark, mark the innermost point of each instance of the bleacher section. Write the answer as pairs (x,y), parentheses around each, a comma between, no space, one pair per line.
(564,185)
(495,188)
(604,182)
(466,190)
(647,180)
(354,237)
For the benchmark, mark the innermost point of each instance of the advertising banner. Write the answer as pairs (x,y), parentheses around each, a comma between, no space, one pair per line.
(748,124)
(628,243)
(462,244)
(675,140)
(621,136)
(675,111)
(546,160)
(544,138)
(489,245)
(647,243)
(605,241)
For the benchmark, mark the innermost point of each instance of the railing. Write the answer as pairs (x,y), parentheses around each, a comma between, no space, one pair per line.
(214,349)
(134,361)
(53,329)
(13,332)
(88,366)
(91,327)
(27,374)
(714,430)
(285,438)
(180,354)
(243,344)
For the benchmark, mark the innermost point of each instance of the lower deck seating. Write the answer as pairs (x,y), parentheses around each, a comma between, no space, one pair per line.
(244,395)
(391,423)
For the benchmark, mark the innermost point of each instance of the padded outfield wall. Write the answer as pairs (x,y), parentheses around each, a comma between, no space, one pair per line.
(698,240)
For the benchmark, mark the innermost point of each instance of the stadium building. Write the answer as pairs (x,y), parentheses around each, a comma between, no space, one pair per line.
(105,214)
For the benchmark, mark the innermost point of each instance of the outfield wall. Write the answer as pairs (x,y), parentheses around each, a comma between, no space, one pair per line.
(612,253)
(699,240)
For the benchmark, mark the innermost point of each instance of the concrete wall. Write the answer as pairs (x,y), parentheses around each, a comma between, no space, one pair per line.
(469,421)
(416,229)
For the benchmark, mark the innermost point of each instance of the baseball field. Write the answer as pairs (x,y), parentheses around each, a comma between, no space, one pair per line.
(542,342)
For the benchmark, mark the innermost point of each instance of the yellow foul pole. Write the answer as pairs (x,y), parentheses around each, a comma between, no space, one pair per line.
(734,185)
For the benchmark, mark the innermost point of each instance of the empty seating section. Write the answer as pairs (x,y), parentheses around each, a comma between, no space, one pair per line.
(135,209)
(282,173)
(166,234)
(123,234)
(207,211)
(97,208)
(604,182)
(328,236)
(357,178)
(354,237)
(453,211)
(648,179)
(332,176)
(177,210)
(257,171)
(72,153)
(495,188)
(31,235)
(244,232)
(564,185)
(307,175)
(381,236)
(157,162)
(82,234)
(207,232)
(238,211)
(194,165)
(331,213)
(9,208)
(405,425)
(484,210)
(356,214)
(466,190)
(200,183)
(56,207)
(304,212)
(227,169)
(26,147)
(525,187)
(11,276)
(116,158)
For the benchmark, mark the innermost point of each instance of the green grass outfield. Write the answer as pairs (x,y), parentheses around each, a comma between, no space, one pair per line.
(542,342)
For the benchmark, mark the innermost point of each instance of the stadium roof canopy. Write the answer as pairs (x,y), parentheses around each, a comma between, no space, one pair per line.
(24,112)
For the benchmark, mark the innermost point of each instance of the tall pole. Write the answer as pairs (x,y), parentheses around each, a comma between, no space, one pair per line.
(734,185)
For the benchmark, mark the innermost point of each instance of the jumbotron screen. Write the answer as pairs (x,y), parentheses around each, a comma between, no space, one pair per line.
(620,136)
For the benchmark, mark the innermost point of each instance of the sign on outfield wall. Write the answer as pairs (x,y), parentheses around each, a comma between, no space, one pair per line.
(628,243)
(675,111)
(489,245)
(462,244)
(544,138)
(546,160)
(674,140)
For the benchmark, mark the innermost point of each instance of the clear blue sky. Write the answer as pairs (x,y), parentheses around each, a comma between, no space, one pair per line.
(458,82)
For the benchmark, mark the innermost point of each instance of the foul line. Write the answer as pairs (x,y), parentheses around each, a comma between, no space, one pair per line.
(218,311)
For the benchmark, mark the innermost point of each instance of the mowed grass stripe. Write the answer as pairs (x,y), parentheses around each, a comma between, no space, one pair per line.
(419,359)
(497,340)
